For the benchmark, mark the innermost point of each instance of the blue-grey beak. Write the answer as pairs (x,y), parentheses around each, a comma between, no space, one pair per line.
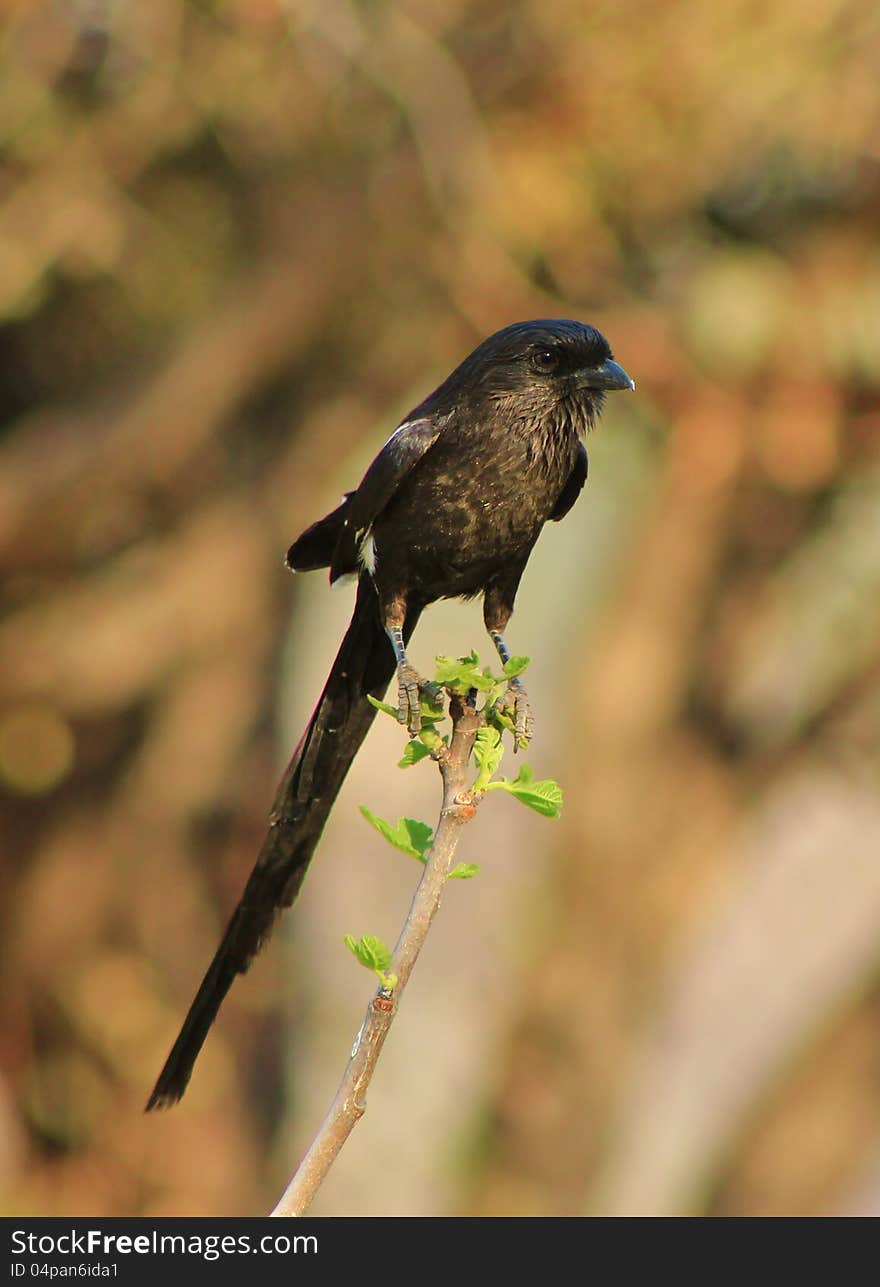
(608,375)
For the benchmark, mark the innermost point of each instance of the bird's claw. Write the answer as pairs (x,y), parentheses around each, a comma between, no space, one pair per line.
(410,686)
(516,705)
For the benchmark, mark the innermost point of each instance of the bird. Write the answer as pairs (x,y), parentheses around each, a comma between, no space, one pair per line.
(451,507)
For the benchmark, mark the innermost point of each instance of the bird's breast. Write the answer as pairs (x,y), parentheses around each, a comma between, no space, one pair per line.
(472,504)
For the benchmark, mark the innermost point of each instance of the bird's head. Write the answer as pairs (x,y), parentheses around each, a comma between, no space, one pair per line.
(537,368)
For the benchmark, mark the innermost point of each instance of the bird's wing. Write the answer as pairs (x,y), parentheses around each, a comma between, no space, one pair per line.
(572,488)
(404,448)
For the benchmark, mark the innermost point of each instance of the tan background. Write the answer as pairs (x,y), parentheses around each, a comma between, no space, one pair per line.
(237,242)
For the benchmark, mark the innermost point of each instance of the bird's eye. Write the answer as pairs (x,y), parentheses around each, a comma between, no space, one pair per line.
(546,360)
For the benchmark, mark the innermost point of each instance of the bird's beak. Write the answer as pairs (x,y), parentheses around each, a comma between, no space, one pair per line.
(608,375)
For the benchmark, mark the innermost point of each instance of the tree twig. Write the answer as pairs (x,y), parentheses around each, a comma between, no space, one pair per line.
(349,1103)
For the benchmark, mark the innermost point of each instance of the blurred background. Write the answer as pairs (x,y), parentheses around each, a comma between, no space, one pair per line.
(238,241)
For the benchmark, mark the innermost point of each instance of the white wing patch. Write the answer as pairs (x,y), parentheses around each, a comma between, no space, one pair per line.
(367,553)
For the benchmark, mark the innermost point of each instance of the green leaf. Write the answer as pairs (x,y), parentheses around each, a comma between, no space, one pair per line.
(487,747)
(420,836)
(502,720)
(431,704)
(370,951)
(407,834)
(382,706)
(374,955)
(463,871)
(544,797)
(432,739)
(515,666)
(446,665)
(427,743)
(414,751)
(488,753)
(463,674)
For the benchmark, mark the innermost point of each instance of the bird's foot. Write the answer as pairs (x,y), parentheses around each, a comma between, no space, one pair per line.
(516,705)
(410,687)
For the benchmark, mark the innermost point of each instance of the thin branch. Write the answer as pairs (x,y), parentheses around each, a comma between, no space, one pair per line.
(349,1104)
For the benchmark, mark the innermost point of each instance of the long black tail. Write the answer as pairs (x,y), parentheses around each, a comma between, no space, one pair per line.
(317,769)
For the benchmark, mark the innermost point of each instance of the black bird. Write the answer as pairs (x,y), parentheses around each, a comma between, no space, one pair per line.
(451,507)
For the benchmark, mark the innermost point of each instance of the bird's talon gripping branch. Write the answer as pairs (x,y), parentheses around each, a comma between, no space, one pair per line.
(517,706)
(410,686)
(515,703)
(525,720)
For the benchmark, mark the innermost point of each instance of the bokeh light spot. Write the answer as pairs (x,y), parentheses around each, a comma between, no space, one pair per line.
(36,749)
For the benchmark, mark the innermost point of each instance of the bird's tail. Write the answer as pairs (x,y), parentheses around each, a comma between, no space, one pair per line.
(317,769)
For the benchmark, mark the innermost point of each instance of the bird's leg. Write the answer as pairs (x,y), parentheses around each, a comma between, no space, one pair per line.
(497,611)
(516,697)
(410,684)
